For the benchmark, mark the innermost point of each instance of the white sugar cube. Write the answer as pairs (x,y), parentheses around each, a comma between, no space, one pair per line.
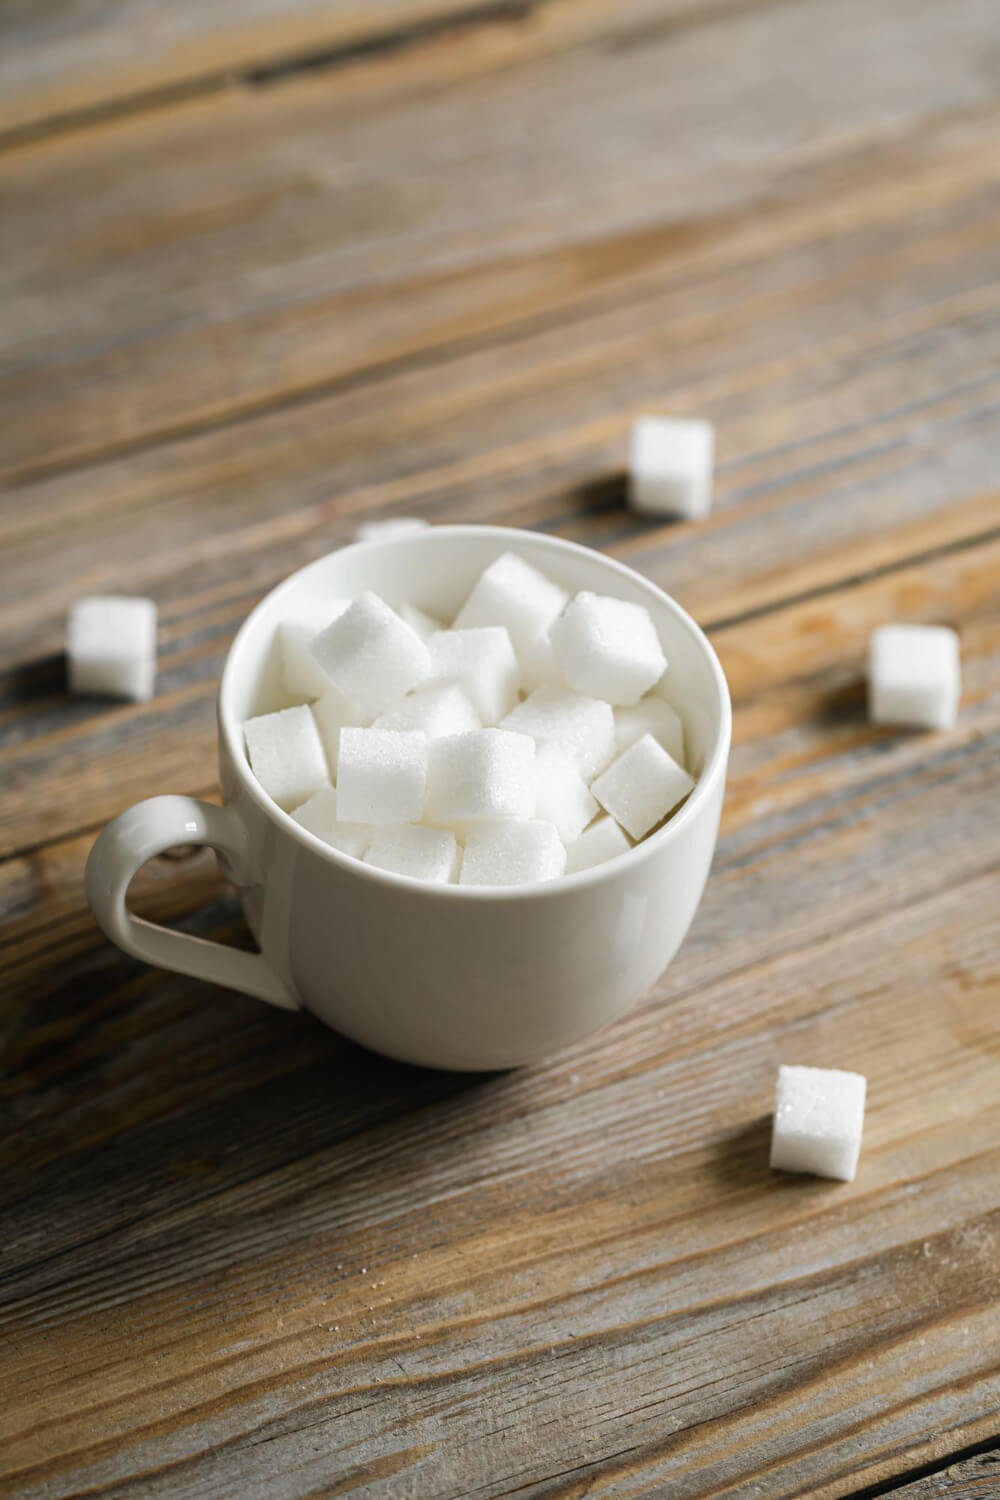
(437,711)
(389,526)
(300,671)
(371,655)
(602,841)
(642,786)
(286,754)
(608,648)
(512,854)
(319,816)
(485,775)
(419,620)
(516,595)
(482,661)
(111,647)
(670,466)
(333,713)
(651,715)
(411,849)
(561,795)
(582,728)
(539,667)
(381,776)
(819,1114)
(914,676)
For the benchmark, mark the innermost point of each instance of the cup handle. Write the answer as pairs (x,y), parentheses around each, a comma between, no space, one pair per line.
(135,836)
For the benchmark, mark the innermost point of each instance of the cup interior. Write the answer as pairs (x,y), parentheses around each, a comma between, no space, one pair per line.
(435,570)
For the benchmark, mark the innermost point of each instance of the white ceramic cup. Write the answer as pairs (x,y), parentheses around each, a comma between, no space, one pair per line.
(447,976)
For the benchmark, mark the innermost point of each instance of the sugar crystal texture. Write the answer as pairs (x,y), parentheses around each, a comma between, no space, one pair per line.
(482,661)
(561,795)
(512,854)
(412,849)
(437,711)
(602,841)
(670,467)
(482,776)
(914,676)
(286,754)
(333,713)
(371,655)
(300,671)
(419,620)
(319,816)
(651,715)
(513,593)
(819,1115)
(582,728)
(642,786)
(608,648)
(389,526)
(111,647)
(381,776)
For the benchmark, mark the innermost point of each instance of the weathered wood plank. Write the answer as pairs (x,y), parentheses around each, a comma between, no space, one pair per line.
(274,267)
(970,1479)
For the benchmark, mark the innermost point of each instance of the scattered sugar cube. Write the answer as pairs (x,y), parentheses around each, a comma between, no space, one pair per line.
(642,786)
(608,648)
(914,676)
(512,854)
(482,661)
(411,849)
(419,620)
(582,728)
(437,711)
(819,1114)
(371,655)
(516,595)
(602,841)
(300,672)
(319,816)
(484,775)
(333,713)
(651,715)
(111,647)
(389,526)
(286,754)
(561,795)
(381,776)
(670,466)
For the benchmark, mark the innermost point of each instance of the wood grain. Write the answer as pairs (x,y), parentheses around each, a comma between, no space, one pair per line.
(970,1479)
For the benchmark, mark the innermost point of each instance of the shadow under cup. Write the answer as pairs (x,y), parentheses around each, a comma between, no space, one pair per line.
(452,976)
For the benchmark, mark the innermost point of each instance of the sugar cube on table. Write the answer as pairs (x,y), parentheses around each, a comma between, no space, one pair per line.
(319,816)
(582,728)
(381,775)
(482,661)
(602,841)
(642,786)
(485,775)
(299,669)
(513,593)
(419,620)
(608,648)
(333,713)
(437,711)
(914,676)
(651,715)
(414,850)
(111,647)
(389,526)
(819,1114)
(371,655)
(286,754)
(670,467)
(561,795)
(512,854)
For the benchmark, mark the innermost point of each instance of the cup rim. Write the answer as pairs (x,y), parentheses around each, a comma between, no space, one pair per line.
(231,730)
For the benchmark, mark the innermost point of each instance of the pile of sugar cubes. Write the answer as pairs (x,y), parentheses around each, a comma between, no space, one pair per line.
(523,742)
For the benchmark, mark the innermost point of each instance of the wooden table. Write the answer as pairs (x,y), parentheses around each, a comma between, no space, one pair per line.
(266,269)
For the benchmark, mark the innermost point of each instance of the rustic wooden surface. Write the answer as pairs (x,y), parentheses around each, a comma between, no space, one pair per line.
(265,269)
